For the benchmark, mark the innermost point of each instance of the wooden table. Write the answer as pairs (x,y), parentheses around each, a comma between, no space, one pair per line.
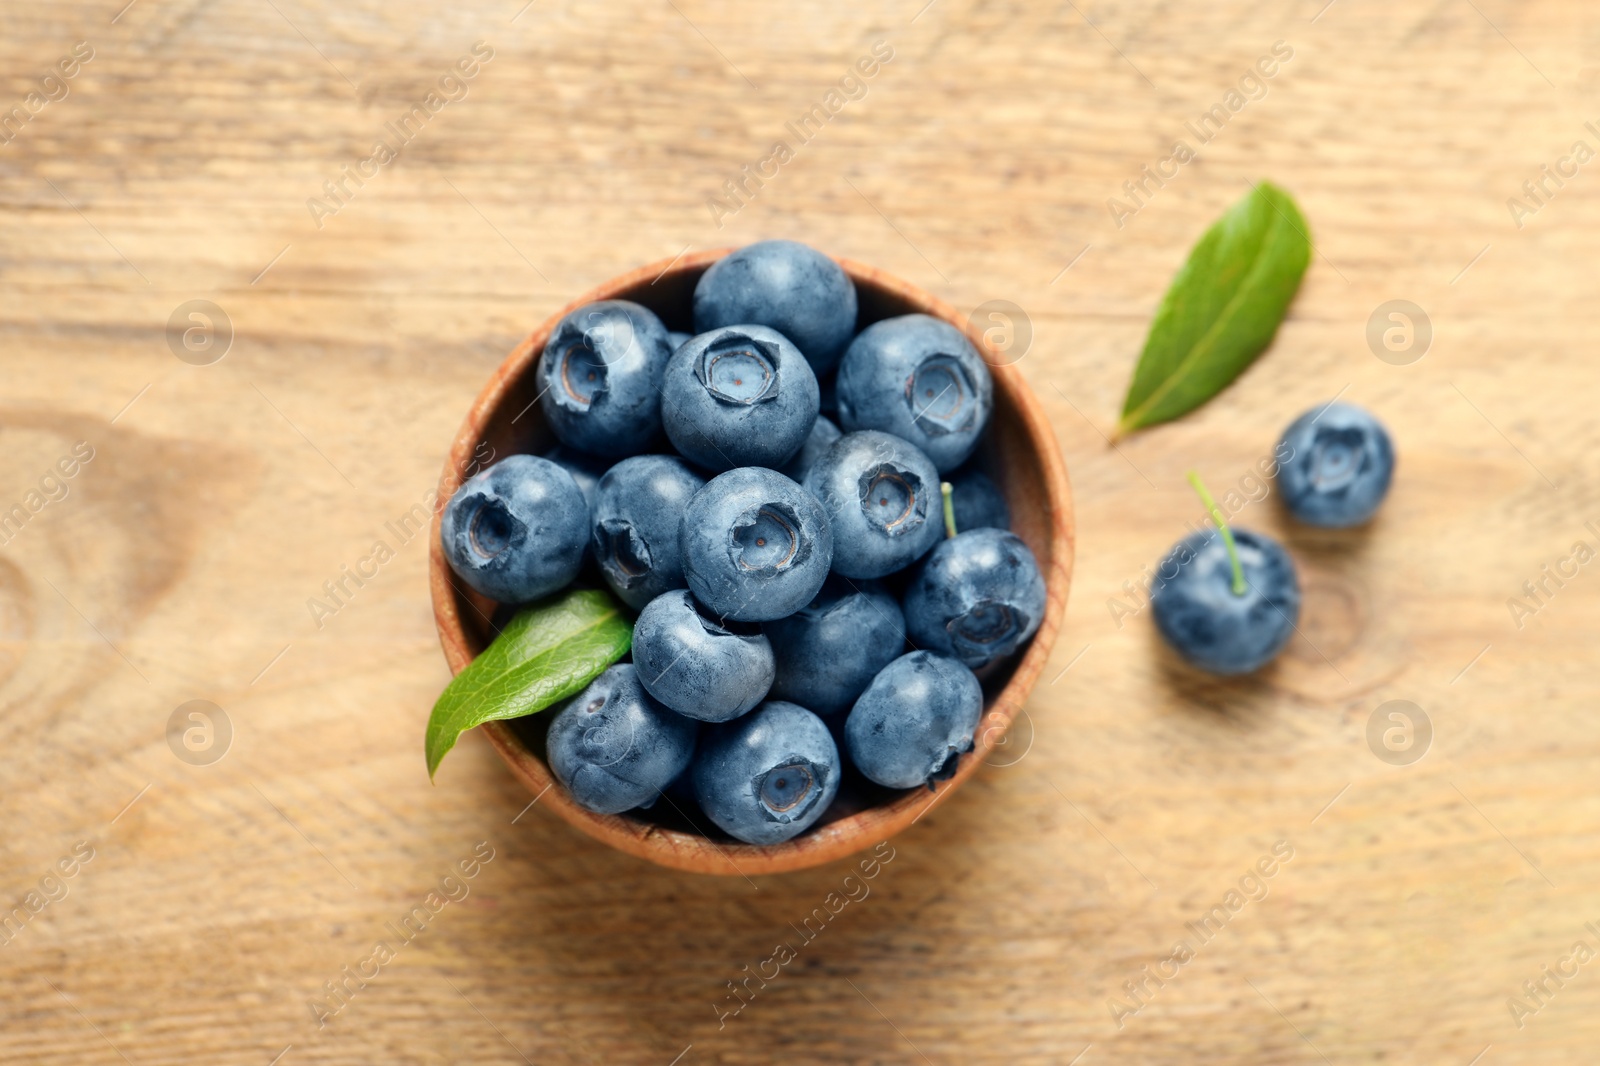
(220,897)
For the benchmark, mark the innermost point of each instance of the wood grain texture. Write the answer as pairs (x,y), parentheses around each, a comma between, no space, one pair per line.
(978,165)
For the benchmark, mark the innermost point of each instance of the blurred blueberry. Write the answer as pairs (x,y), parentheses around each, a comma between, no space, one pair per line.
(920,379)
(756,546)
(978,596)
(977,501)
(637,507)
(600,377)
(738,396)
(614,747)
(700,665)
(828,651)
(794,289)
(676,339)
(914,721)
(1197,612)
(883,502)
(823,433)
(1340,466)
(769,775)
(516,531)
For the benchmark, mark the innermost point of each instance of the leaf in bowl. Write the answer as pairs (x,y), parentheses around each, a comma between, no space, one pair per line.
(1222,308)
(547,652)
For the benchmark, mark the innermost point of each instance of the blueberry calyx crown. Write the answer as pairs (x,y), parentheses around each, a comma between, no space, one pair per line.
(790,789)
(621,551)
(740,370)
(938,392)
(1337,457)
(893,499)
(492,528)
(984,623)
(767,537)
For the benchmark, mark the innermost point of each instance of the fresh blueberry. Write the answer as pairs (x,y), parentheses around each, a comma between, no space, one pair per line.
(700,665)
(516,531)
(738,396)
(978,596)
(914,721)
(676,339)
(823,433)
(920,379)
(1198,613)
(614,747)
(769,775)
(600,377)
(637,507)
(1339,463)
(828,651)
(977,501)
(883,502)
(756,546)
(794,289)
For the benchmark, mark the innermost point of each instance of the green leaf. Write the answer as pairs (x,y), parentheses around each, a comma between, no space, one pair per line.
(1222,309)
(550,650)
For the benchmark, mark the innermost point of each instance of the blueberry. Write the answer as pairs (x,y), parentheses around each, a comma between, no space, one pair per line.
(883,502)
(756,546)
(977,501)
(700,665)
(676,339)
(1201,618)
(516,531)
(614,747)
(1336,465)
(769,775)
(914,721)
(823,433)
(920,379)
(794,289)
(829,650)
(637,507)
(978,596)
(738,396)
(600,377)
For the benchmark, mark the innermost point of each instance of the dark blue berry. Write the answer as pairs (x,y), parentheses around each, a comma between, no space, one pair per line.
(882,498)
(516,531)
(702,666)
(1202,618)
(914,721)
(738,396)
(614,747)
(978,596)
(1336,463)
(638,505)
(600,378)
(768,776)
(828,651)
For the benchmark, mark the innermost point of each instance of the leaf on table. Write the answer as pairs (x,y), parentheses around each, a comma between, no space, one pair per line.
(547,652)
(1222,308)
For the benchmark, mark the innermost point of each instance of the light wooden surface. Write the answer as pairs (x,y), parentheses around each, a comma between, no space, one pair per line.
(221,498)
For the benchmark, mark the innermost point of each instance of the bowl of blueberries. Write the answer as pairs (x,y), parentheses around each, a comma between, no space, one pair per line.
(839,524)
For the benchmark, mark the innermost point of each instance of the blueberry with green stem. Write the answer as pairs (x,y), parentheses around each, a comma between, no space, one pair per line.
(1226,601)
(978,596)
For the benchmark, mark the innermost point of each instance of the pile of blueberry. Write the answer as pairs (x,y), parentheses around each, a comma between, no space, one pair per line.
(1227,601)
(781,562)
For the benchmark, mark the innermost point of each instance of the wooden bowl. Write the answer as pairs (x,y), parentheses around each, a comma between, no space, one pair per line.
(1024,459)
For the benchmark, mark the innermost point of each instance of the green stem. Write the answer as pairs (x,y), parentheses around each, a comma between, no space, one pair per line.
(1239,586)
(945,489)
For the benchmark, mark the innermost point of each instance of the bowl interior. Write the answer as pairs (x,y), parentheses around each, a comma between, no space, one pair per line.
(1019,453)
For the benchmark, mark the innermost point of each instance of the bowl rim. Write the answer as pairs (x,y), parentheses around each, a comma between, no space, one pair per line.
(855,832)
